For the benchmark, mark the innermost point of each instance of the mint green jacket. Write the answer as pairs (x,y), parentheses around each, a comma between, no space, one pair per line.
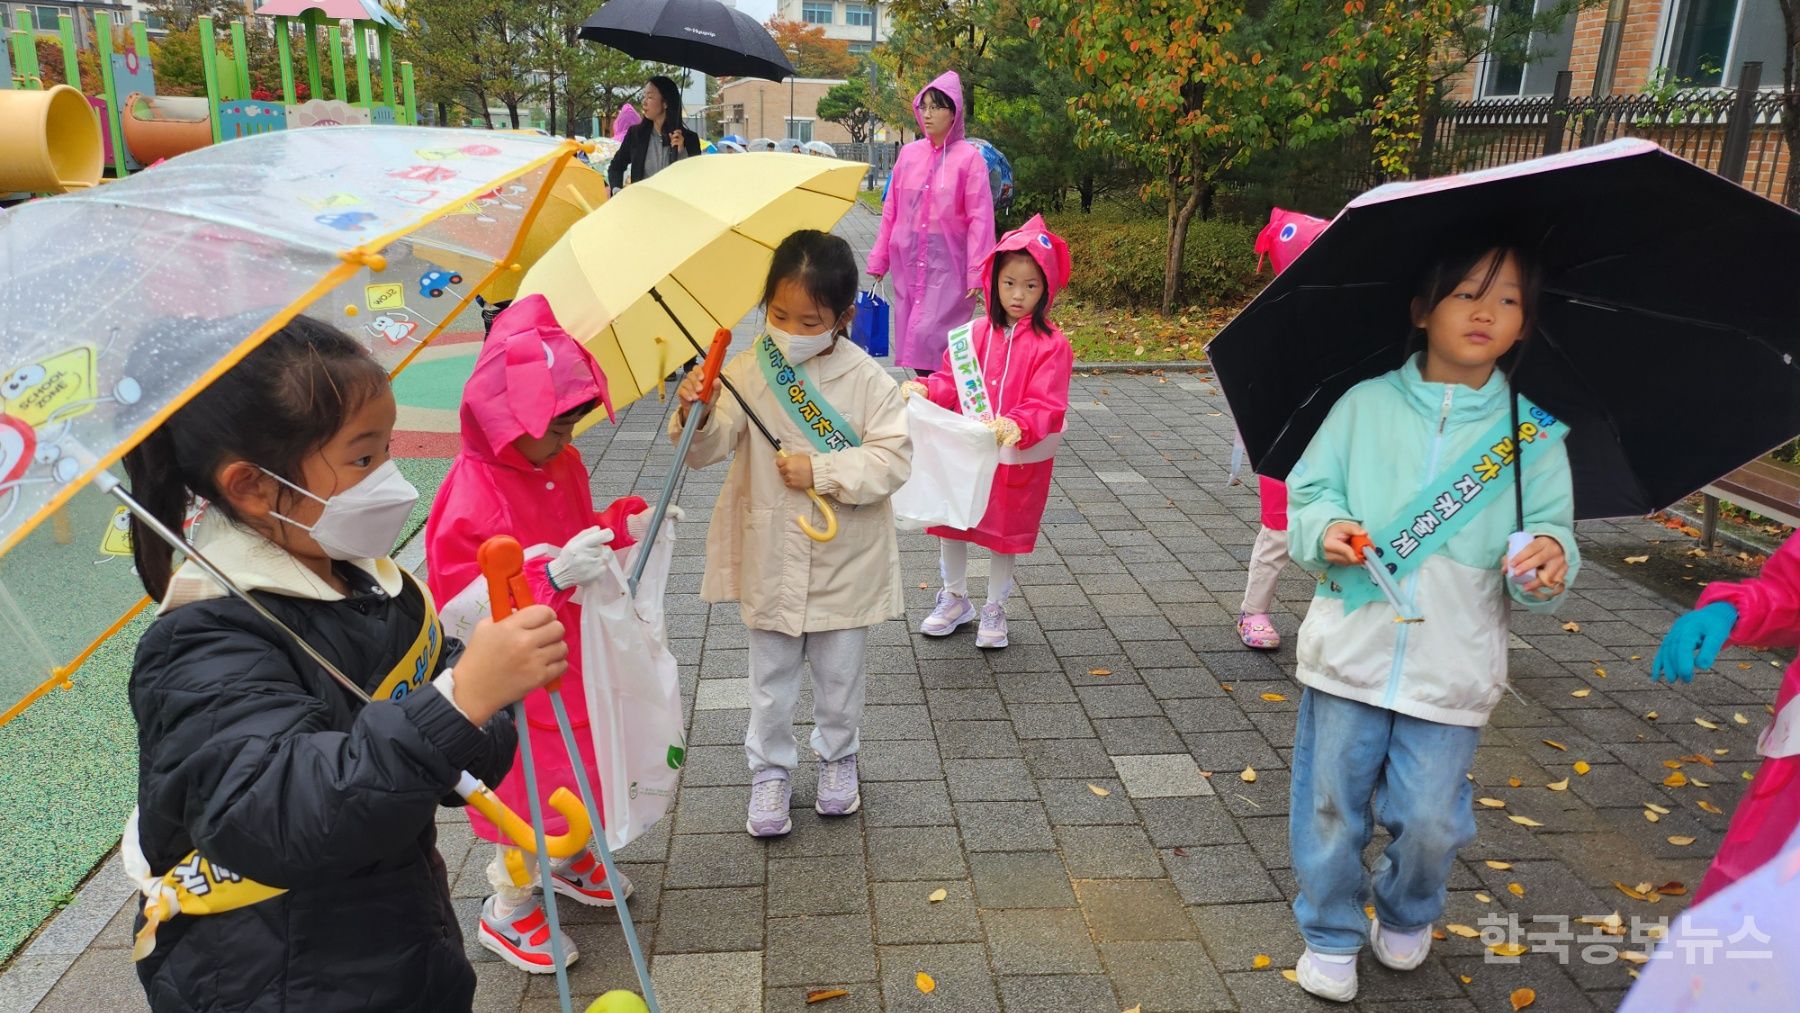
(1383,441)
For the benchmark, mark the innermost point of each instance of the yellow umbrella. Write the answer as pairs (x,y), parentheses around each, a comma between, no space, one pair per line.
(574,195)
(699,235)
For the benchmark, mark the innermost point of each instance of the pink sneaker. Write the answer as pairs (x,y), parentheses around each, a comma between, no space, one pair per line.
(1258,631)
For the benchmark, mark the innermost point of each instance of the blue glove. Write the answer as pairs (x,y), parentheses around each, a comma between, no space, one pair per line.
(1694,642)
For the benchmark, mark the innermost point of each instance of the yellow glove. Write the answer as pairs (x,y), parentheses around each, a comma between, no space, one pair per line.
(1006,431)
(911,387)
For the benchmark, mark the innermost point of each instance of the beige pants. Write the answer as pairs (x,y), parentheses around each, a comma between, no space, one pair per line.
(1267,557)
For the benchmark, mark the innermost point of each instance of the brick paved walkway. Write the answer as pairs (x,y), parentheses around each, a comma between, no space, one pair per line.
(1079,795)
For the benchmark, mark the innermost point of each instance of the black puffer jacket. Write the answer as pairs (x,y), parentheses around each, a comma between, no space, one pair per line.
(254,755)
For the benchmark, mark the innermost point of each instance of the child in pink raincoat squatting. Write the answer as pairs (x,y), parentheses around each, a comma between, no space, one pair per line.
(1765,612)
(1283,239)
(1025,363)
(936,226)
(517,475)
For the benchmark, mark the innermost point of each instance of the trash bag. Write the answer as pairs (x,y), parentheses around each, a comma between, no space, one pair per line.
(869,328)
(952,469)
(633,692)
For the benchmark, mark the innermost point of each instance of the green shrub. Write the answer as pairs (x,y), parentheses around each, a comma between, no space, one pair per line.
(1118,261)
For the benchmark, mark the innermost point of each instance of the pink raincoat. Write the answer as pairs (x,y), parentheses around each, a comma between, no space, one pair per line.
(530,370)
(936,225)
(1768,609)
(1286,236)
(1027,374)
(627,118)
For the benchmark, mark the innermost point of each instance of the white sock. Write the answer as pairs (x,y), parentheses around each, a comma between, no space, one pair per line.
(953,565)
(1335,958)
(1000,577)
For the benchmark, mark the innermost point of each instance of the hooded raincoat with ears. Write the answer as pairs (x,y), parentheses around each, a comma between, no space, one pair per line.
(530,371)
(936,225)
(1027,373)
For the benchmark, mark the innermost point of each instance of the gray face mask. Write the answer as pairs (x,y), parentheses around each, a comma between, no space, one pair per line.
(363,521)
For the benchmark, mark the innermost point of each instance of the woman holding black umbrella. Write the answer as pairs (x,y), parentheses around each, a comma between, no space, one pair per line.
(657,141)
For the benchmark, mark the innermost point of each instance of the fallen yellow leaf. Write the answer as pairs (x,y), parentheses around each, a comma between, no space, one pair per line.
(1369,909)
(1697,758)
(1720,752)
(1562,785)
(1260,961)
(1653,807)
(1740,719)
(1630,892)
(1514,782)
(1696,782)
(1498,866)
(1746,775)
(1139,1008)
(822,994)
(1651,715)
(1553,744)
(1581,767)
(1525,821)
(938,895)
(1634,957)
(1291,975)
(1651,816)
(1249,774)
(1681,842)
(1515,889)
(1581,694)
(1100,671)
(1522,997)
(1274,697)
(1096,789)
(1601,672)
(1491,803)
(1462,930)
(923,586)
(1484,898)
(1672,764)
(1708,725)
(1507,949)
(1465,978)
(1572,627)
(1709,807)
(1672,889)
(924,983)
(1675,780)
(1635,560)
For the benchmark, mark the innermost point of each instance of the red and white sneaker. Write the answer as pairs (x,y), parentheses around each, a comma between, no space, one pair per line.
(582,878)
(523,939)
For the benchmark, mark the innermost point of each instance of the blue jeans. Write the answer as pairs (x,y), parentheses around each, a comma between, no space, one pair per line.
(1347,755)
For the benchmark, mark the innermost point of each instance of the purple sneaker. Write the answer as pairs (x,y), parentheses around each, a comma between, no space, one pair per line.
(993,626)
(952,611)
(838,791)
(770,797)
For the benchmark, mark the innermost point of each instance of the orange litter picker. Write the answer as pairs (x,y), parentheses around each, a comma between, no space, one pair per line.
(503,564)
(1365,549)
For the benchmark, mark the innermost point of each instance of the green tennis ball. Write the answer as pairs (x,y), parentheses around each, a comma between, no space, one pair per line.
(619,1001)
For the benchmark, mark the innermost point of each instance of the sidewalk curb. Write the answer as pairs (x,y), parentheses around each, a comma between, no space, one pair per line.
(1173,366)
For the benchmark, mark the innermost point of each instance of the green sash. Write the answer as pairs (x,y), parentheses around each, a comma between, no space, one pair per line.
(1479,477)
(803,402)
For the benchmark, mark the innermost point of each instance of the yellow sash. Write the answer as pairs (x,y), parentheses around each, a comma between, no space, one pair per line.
(199,886)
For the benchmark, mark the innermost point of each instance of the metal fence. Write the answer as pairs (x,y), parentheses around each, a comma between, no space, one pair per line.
(880,158)
(1734,132)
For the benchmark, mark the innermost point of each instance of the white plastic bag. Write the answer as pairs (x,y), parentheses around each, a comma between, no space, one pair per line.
(952,469)
(633,692)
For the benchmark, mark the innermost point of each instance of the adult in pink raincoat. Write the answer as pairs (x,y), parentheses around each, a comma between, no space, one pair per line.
(1765,612)
(517,475)
(936,226)
(1284,238)
(1025,365)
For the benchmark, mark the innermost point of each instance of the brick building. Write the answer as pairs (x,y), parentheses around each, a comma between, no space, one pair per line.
(1614,53)
(753,108)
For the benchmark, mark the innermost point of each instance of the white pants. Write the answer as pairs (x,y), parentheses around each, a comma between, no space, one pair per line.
(1267,557)
(953,564)
(839,670)
(511,894)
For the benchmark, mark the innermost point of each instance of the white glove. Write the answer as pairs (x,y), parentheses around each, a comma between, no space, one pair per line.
(911,387)
(584,560)
(638,524)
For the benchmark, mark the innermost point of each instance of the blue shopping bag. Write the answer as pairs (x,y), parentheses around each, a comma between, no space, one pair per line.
(869,328)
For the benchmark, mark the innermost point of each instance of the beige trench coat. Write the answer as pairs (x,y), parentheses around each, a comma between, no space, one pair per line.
(755,552)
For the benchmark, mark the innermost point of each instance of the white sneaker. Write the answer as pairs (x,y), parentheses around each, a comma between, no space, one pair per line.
(1400,951)
(1327,977)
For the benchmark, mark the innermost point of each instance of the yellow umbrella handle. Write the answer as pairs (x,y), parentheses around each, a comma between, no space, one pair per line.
(831,525)
(519,832)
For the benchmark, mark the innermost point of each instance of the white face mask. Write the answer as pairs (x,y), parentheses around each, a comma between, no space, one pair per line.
(800,347)
(363,521)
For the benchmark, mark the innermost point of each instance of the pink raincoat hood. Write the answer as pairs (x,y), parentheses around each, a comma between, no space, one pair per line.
(1287,235)
(950,84)
(1045,247)
(627,118)
(530,371)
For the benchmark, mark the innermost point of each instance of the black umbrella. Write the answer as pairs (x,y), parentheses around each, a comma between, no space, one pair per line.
(1667,333)
(702,35)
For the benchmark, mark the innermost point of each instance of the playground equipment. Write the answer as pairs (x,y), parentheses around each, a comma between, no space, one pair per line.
(49,144)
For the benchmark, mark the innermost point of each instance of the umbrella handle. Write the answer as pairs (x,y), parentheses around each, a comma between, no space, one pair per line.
(502,562)
(519,832)
(831,523)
